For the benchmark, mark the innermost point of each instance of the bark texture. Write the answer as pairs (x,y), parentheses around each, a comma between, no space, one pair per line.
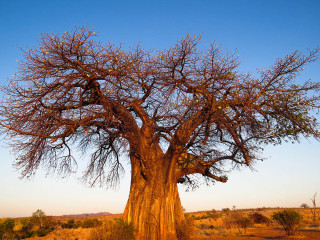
(154,206)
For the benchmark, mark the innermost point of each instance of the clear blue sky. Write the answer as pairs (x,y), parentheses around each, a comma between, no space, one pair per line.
(261,31)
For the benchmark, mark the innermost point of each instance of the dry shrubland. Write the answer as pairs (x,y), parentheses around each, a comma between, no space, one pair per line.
(252,222)
(225,224)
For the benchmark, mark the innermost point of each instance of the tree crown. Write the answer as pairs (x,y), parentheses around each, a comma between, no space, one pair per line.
(190,103)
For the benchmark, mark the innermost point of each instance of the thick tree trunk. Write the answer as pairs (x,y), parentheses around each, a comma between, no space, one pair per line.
(154,205)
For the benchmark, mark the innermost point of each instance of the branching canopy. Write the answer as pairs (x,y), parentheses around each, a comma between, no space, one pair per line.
(192,103)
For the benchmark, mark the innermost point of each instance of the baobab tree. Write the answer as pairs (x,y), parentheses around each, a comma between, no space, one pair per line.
(177,115)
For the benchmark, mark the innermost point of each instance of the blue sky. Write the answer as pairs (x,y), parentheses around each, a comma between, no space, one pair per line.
(260,31)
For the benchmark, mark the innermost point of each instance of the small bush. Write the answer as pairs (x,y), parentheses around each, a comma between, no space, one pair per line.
(113,230)
(26,229)
(90,223)
(243,222)
(6,227)
(100,233)
(238,221)
(121,230)
(259,218)
(225,210)
(213,215)
(205,216)
(44,231)
(261,209)
(70,224)
(185,230)
(290,220)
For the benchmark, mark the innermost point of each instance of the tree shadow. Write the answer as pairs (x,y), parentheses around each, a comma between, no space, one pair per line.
(274,237)
(266,237)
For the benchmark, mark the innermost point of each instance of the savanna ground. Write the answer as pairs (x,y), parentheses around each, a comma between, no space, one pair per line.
(219,225)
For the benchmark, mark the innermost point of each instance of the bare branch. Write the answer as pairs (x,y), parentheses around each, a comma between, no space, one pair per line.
(157,108)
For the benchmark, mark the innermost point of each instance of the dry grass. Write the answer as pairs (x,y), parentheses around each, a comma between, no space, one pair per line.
(212,225)
(215,228)
(73,234)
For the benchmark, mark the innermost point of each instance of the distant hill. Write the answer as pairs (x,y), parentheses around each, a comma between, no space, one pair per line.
(88,214)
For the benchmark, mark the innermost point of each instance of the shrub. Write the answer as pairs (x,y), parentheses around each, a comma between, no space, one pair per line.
(243,222)
(6,228)
(259,218)
(26,228)
(99,233)
(43,231)
(213,215)
(261,209)
(70,224)
(238,221)
(290,220)
(185,231)
(121,230)
(205,216)
(2,230)
(113,230)
(225,210)
(90,223)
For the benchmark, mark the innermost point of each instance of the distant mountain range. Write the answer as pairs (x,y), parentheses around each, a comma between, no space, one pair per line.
(88,214)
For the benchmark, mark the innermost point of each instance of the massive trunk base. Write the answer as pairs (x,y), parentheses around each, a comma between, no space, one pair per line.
(154,209)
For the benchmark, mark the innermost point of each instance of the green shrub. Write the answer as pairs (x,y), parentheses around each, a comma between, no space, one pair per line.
(44,231)
(27,226)
(9,224)
(90,223)
(2,230)
(290,220)
(6,228)
(72,224)
(67,224)
(212,215)
(202,217)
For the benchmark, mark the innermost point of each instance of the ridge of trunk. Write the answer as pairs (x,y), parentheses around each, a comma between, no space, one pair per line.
(154,206)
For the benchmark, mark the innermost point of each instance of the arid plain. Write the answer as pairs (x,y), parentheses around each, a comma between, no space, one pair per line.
(211,224)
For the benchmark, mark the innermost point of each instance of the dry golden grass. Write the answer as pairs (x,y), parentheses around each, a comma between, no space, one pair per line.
(213,227)
(216,229)
(73,234)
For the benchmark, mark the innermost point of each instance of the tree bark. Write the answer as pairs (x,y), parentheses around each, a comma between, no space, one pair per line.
(154,206)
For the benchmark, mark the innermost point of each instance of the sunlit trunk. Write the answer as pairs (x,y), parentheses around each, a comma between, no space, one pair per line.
(154,205)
